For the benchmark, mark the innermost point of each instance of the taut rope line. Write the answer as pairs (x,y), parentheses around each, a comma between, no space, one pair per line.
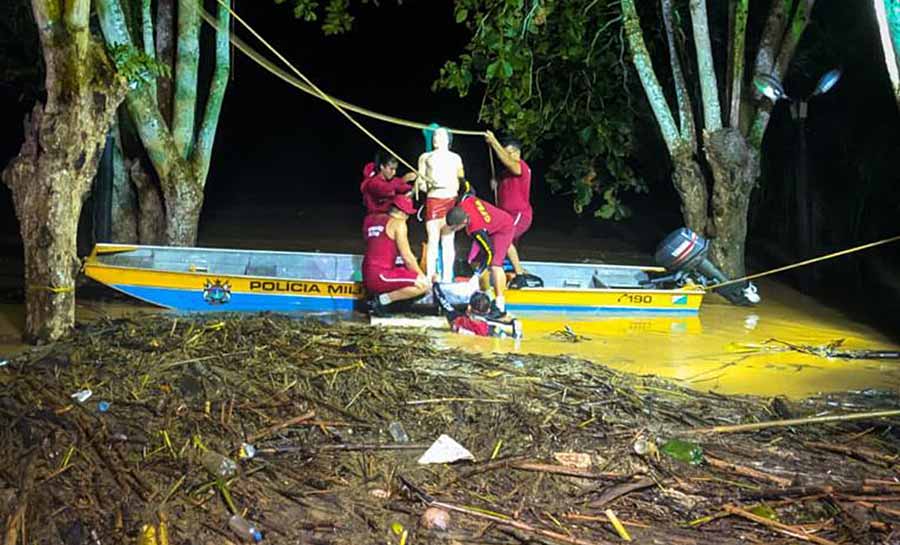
(267,65)
(321,93)
(807,262)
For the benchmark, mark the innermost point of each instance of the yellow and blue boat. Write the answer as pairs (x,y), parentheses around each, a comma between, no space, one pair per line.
(212,279)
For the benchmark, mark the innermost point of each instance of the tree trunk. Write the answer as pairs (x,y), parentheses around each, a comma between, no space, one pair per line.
(184,199)
(735,168)
(691,186)
(124,203)
(52,174)
(887,14)
(151,215)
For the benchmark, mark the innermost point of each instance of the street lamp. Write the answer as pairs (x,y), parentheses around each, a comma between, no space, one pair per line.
(771,88)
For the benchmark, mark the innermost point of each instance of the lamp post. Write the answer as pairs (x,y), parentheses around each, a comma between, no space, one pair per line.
(771,88)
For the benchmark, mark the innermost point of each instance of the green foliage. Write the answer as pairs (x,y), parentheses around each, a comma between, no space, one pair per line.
(337,19)
(135,66)
(552,74)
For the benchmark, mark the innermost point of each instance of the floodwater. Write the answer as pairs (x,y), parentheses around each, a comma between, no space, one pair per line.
(727,349)
(724,349)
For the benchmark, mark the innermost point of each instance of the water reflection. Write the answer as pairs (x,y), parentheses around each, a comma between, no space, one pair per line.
(724,349)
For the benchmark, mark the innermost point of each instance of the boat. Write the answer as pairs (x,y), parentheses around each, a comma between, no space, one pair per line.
(211,279)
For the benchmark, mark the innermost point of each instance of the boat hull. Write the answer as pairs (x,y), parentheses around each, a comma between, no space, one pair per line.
(205,280)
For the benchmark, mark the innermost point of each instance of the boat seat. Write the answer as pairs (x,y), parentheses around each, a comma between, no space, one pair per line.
(261,270)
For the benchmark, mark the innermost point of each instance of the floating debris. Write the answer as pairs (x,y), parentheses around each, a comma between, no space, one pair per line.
(566,449)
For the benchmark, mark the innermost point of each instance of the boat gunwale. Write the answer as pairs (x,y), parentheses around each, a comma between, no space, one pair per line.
(121,248)
(640,290)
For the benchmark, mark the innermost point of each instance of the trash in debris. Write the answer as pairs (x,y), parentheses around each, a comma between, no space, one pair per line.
(148,535)
(248,451)
(645,446)
(435,518)
(398,434)
(218,465)
(245,529)
(580,460)
(4,362)
(82,395)
(103,406)
(683,451)
(445,451)
(568,334)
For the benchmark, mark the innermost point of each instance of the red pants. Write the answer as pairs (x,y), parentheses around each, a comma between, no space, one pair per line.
(522,221)
(436,209)
(378,281)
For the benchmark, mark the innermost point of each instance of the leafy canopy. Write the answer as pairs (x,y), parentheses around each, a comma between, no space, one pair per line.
(552,73)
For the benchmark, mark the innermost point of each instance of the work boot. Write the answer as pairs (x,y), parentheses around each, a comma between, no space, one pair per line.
(376,308)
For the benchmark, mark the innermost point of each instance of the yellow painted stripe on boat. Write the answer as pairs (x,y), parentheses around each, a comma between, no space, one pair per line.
(239,284)
(638,299)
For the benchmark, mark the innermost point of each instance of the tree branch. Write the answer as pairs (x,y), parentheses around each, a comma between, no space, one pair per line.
(738,34)
(649,81)
(150,125)
(77,17)
(682,97)
(207,132)
(149,44)
(709,87)
(794,33)
(798,25)
(773,33)
(886,26)
(165,54)
(186,64)
(47,15)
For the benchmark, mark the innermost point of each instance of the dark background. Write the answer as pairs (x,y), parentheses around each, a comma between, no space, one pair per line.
(279,147)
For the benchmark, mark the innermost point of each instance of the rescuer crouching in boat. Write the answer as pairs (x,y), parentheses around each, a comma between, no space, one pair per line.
(390,271)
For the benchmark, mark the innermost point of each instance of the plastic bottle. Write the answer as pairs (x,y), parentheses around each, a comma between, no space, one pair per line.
(398,433)
(218,465)
(683,451)
(244,528)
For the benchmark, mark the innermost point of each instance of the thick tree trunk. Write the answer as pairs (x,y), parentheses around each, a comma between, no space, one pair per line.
(151,216)
(735,168)
(184,200)
(52,174)
(691,186)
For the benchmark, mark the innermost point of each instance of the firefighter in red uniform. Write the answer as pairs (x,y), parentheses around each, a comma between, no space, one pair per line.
(379,185)
(492,231)
(513,190)
(387,244)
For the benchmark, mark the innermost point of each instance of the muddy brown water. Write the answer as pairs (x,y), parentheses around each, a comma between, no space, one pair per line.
(725,348)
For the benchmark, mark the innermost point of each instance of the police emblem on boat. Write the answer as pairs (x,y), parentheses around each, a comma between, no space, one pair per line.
(217,292)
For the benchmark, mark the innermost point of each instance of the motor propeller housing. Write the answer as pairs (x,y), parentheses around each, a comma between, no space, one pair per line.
(684,253)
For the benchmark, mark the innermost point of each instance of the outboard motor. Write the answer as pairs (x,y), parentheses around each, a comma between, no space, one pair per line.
(683,252)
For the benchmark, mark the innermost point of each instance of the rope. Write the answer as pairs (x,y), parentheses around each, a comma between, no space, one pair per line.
(494,181)
(279,73)
(807,262)
(51,289)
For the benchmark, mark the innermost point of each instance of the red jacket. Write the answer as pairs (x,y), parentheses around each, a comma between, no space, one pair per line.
(485,216)
(377,192)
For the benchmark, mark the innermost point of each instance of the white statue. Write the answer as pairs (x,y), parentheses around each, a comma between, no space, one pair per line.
(442,171)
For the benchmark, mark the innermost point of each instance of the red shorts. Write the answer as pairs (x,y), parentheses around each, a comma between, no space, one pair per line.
(522,221)
(500,242)
(378,281)
(436,209)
